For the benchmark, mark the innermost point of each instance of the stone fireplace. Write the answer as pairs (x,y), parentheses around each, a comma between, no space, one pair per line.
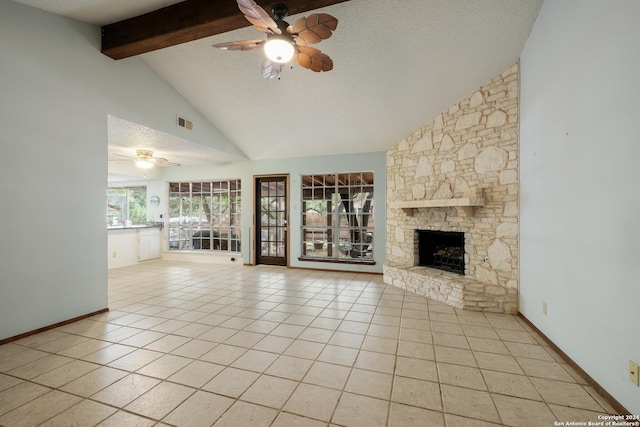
(458,175)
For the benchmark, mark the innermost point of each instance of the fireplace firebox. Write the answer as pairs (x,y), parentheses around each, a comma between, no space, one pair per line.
(441,249)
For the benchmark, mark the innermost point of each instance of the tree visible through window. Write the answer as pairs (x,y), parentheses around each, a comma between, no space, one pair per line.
(337,217)
(126,204)
(205,215)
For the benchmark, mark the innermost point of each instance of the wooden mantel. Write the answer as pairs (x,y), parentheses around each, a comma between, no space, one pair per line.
(466,204)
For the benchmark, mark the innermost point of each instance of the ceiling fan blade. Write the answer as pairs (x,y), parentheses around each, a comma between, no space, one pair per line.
(240,45)
(258,17)
(313,59)
(271,69)
(314,28)
(122,155)
(163,162)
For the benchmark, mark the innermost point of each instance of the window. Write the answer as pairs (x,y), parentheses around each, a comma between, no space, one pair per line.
(205,215)
(126,205)
(337,217)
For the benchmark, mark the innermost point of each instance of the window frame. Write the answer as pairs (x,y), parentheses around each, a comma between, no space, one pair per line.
(339,207)
(204,215)
(125,217)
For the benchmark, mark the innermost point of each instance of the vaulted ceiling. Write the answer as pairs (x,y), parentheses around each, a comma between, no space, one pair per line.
(397,64)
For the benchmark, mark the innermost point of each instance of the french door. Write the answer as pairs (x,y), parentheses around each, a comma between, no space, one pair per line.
(272,212)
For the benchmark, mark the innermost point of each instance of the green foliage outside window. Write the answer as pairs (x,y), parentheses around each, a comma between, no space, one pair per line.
(126,204)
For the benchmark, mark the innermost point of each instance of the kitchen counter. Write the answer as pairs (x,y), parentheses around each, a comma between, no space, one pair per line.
(135,226)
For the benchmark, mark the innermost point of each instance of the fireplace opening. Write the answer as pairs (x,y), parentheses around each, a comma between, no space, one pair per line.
(441,249)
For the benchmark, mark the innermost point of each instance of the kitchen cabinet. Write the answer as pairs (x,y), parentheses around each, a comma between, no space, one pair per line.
(148,243)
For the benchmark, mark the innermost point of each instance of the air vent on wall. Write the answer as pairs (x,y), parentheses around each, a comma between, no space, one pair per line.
(184,123)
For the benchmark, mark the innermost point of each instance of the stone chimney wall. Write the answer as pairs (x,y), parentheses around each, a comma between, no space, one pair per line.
(469,150)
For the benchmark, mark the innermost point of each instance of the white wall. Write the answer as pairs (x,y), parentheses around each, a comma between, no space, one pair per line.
(579,196)
(295,168)
(56,91)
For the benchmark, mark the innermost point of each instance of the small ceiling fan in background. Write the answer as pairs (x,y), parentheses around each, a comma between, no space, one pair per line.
(144,159)
(286,42)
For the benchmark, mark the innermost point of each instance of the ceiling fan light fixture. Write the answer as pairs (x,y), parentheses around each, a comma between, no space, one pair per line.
(286,43)
(144,164)
(279,50)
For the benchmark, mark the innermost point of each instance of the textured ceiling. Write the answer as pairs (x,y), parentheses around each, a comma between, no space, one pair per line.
(99,12)
(397,64)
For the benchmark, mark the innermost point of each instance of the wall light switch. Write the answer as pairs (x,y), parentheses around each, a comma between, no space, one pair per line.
(633,373)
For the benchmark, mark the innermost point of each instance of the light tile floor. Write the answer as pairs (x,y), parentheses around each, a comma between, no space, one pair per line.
(200,345)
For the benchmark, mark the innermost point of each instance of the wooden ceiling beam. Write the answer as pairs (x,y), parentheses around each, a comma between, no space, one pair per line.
(184,22)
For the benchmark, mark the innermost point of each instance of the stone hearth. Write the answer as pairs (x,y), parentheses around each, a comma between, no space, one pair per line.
(460,173)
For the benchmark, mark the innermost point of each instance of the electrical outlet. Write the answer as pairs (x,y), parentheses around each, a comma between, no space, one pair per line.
(114,254)
(633,373)
(544,308)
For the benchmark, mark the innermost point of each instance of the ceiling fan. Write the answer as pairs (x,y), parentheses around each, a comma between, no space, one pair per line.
(144,159)
(286,42)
